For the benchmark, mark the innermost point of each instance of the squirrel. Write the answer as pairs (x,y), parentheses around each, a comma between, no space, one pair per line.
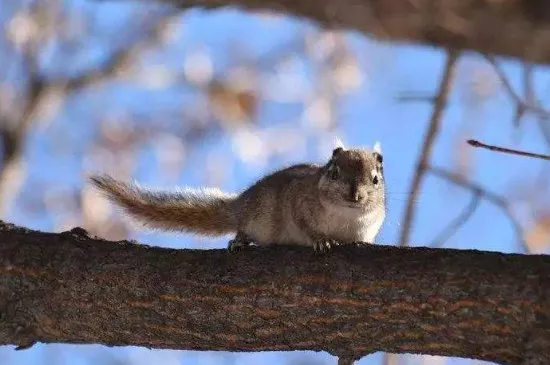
(340,202)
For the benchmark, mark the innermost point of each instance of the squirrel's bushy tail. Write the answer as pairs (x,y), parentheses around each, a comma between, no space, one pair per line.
(201,211)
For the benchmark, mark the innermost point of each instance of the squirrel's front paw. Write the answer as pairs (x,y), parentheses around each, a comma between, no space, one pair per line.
(324,245)
(235,245)
(238,243)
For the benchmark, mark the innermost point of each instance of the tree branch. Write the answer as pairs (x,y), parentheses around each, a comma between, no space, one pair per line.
(70,288)
(427,144)
(516,28)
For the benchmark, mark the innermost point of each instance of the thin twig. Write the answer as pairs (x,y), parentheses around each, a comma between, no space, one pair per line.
(531,98)
(491,197)
(404,98)
(458,222)
(528,82)
(475,143)
(529,105)
(433,129)
(542,119)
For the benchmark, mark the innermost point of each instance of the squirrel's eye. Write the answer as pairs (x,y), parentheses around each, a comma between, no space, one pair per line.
(334,173)
(375,180)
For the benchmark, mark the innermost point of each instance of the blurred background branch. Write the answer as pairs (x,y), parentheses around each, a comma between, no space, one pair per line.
(458,24)
(440,102)
(478,191)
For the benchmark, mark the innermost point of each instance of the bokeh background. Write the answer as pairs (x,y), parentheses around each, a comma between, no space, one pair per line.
(221,98)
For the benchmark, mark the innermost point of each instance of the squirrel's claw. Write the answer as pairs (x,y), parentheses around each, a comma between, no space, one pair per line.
(232,247)
(324,245)
(235,245)
(238,243)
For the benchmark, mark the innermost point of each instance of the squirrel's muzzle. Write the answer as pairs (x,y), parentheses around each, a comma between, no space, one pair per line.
(354,195)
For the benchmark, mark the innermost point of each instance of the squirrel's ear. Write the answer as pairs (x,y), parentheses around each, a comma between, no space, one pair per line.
(338,143)
(337,151)
(377,152)
(377,148)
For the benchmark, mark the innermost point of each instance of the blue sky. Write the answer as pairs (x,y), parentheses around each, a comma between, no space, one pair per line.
(371,113)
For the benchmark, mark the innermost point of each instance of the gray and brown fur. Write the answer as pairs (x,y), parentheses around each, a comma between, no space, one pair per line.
(319,206)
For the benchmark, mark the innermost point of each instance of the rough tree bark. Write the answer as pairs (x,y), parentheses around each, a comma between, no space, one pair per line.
(514,28)
(70,288)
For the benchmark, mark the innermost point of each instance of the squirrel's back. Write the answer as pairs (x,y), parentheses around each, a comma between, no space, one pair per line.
(266,209)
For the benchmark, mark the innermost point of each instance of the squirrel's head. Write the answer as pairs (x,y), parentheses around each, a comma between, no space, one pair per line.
(354,178)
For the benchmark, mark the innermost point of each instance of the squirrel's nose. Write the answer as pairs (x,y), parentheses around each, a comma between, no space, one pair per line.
(355,197)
